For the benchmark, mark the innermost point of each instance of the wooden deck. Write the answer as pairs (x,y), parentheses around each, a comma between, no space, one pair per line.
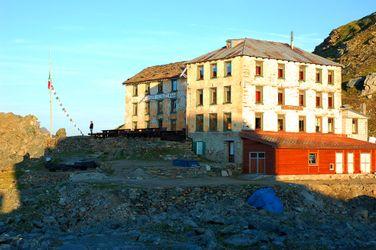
(161,133)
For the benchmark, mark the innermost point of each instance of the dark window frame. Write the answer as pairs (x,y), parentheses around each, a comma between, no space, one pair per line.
(199,127)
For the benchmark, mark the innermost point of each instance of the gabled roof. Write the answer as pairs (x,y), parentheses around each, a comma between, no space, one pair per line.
(157,73)
(306,140)
(264,49)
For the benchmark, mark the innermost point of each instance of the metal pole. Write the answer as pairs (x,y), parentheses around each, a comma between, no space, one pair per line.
(50,89)
(51,118)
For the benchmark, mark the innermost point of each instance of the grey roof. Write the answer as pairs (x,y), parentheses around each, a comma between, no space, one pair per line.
(264,49)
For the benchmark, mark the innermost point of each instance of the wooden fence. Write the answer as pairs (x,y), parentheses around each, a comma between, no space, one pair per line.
(161,133)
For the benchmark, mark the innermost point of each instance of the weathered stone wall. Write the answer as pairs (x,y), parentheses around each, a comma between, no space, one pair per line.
(290,85)
(362,133)
(141,99)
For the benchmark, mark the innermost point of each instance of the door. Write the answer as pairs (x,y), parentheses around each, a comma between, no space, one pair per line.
(350,163)
(231,151)
(200,148)
(257,163)
(365,163)
(339,163)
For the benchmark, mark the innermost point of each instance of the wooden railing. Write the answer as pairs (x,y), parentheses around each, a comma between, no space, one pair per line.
(161,133)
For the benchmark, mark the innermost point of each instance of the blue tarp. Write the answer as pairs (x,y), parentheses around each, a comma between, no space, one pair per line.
(265,198)
(185,163)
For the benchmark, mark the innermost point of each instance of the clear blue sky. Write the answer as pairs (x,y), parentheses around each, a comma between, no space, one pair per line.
(98,44)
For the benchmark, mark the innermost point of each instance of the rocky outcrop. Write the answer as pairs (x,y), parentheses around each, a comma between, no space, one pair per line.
(353,45)
(20,136)
(369,85)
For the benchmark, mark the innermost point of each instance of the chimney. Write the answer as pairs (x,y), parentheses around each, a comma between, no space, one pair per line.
(230,43)
(292,40)
(364,108)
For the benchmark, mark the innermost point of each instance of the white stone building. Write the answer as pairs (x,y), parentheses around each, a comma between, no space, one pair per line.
(261,85)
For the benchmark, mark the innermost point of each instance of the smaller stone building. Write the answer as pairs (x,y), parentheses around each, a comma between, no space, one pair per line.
(156,98)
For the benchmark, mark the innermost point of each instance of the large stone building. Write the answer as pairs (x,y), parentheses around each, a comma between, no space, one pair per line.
(156,98)
(259,103)
(261,85)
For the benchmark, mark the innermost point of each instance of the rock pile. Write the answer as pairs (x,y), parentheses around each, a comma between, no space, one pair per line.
(19,137)
(113,216)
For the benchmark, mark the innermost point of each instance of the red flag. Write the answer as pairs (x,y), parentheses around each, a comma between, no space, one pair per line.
(49,81)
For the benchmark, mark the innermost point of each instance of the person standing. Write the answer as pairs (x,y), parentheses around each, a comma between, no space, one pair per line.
(91,127)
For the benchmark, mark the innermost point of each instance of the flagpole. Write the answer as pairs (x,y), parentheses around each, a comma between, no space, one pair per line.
(50,89)
(51,118)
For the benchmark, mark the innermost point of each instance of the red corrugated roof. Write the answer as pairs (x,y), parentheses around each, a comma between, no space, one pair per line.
(306,140)
(265,49)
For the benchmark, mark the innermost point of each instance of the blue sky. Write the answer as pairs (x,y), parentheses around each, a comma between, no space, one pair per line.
(96,45)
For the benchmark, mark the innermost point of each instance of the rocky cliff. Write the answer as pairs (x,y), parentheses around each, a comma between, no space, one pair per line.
(353,45)
(20,136)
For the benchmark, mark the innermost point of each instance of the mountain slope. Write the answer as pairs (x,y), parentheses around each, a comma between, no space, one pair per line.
(353,45)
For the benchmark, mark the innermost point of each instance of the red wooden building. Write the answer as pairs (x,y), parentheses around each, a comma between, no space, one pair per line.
(284,153)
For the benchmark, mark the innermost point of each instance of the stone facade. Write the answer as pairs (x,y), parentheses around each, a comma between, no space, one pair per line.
(355,125)
(283,95)
(138,115)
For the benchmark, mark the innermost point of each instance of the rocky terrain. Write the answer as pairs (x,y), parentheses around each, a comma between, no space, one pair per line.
(20,136)
(353,45)
(136,199)
(56,212)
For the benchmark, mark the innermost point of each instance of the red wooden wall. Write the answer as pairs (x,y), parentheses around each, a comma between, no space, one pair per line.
(283,161)
(252,146)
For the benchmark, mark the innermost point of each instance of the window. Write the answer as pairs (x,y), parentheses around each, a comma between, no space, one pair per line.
(281,123)
(330,77)
(228,68)
(135,90)
(200,97)
(147,108)
(354,126)
(134,109)
(173,106)
(318,100)
(280,97)
(259,68)
(147,89)
(301,123)
(227,94)
(318,124)
(330,101)
(281,71)
(318,75)
(258,121)
(160,122)
(160,87)
(213,96)
(213,122)
(301,98)
(227,126)
(199,123)
(174,85)
(302,73)
(134,125)
(173,124)
(330,125)
(213,70)
(200,72)
(160,107)
(312,159)
(258,95)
